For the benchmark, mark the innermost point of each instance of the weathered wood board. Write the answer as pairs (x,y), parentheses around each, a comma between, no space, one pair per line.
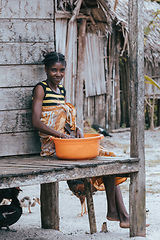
(21,75)
(23,53)
(23,171)
(19,143)
(26,9)
(26,30)
(15,98)
(15,121)
(136,60)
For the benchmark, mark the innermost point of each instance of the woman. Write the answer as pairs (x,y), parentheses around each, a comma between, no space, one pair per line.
(50,114)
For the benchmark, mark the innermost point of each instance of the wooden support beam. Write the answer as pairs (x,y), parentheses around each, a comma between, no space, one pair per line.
(158,112)
(90,205)
(133,203)
(136,60)
(80,77)
(50,205)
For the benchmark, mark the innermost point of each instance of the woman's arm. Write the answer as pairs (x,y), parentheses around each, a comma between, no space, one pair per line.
(79,132)
(37,112)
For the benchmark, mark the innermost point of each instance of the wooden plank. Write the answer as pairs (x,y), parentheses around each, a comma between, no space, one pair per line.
(54,160)
(26,75)
(26,30)
(158,112)
(89,86)
(71,52)
(15,121)
(136,59)
(61,33)
(63,173)
(23,53)
(117,86)
(24,9)
(119,130)
(90,205)
(16,98)
(49,165)
(101,114)
(133,203)
(74,62)
(101,77)
(38,177)
(50,205)
(19,143)
(96,109)
(80,77)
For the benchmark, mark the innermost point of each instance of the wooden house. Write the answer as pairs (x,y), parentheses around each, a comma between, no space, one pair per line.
(151,26)
(98,49)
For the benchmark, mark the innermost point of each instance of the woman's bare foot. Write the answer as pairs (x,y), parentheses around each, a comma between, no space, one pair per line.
(113,217)
(124,224)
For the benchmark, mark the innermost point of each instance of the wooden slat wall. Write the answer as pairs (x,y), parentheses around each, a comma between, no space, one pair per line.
(19,143)
(71,59)
(26,30)
(94,66)
(20,75)
(14,121)
(61,34)
(104,108)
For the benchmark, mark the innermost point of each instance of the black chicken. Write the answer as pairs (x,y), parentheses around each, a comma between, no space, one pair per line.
(78,189)
(5,193)
(100,130)
(10,214)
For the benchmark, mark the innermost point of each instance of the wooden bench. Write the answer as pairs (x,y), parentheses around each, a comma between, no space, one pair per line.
(48,171)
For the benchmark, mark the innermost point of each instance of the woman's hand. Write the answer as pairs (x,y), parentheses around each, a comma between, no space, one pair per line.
(79,133)
(65,136)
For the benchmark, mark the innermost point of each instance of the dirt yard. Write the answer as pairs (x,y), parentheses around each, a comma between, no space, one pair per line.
(74,227)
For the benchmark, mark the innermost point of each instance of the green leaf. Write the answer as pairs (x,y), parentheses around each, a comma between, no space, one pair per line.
(151,81)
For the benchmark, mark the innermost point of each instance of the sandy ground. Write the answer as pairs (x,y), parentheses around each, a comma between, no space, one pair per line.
(74,227)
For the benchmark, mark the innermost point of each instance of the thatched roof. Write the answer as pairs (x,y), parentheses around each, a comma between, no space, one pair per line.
(101,14)
(152,39)
(97,12)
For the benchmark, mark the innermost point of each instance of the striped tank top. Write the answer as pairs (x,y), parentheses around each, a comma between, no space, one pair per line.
(52,98)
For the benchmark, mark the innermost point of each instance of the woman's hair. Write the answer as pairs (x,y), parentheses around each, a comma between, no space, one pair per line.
(53,57)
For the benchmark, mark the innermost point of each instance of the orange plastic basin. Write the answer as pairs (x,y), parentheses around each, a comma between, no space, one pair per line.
(78,148)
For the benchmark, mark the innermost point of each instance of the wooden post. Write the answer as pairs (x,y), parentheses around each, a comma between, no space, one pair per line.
(90,205)
(50,205)
(117,86)
(80,77)
(158,112)
(136,60)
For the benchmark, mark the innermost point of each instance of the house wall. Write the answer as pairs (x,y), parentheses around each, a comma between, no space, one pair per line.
(26,30)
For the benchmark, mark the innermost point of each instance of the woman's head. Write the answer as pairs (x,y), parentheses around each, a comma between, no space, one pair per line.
(52,58)
(55,67)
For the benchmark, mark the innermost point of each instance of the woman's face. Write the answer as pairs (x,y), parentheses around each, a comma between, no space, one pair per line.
(55,73)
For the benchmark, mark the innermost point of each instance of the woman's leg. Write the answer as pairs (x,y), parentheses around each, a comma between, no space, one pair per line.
(122,212)
(112,213)
(116,207)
